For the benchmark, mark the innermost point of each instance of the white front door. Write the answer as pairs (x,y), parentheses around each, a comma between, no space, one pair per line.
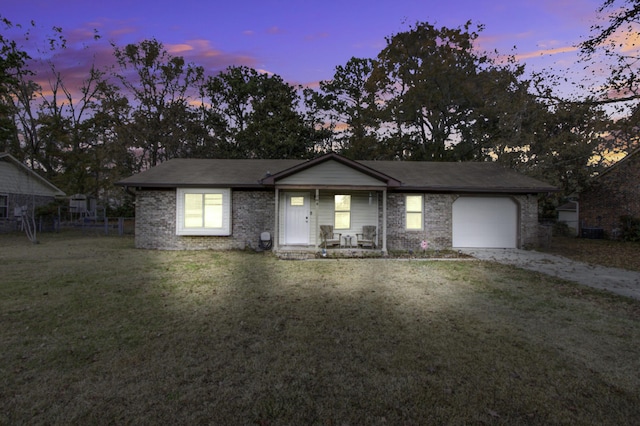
(296,222)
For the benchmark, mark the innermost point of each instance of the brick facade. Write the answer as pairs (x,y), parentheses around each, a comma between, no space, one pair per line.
(253,213)
(528,220)
(438,226)
(437,222)
(615,193)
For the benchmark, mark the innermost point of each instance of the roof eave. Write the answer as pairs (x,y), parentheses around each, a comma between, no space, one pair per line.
(467,190)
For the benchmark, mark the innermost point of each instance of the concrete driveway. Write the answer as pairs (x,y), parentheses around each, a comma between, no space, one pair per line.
(619,281)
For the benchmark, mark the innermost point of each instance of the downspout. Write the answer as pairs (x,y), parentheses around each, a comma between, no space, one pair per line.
(315,220)
(384,221)
(129,191)
(578,225)
(276,231)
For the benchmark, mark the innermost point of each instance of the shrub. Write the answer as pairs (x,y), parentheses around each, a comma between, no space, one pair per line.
(630,229)
(561,229)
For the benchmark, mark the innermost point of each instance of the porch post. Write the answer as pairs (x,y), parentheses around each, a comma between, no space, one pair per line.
(315,220)
(276,230)
(384,221)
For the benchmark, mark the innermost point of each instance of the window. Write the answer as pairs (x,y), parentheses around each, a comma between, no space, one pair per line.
(414,211)
(297,201)
(4,206)
(342,213)
(203,212)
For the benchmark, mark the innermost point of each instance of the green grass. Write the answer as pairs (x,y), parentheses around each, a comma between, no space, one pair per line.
(94,331)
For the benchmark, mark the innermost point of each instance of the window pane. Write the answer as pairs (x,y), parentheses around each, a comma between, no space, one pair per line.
(193,210)
(213,210)
(343,202)
(203,211)
(297,201)
(414,203)
(414,220)
(4,206)
(343,220)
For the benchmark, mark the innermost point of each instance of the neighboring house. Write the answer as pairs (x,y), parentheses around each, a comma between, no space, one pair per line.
(21,189)
(568,213)
(227,204)
(614,193)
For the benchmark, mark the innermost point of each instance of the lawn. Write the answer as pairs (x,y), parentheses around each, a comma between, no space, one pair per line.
(94,331)
(615,254)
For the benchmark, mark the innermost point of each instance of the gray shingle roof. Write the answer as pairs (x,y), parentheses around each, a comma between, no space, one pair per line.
(459,176)
(209,173)
(476,177)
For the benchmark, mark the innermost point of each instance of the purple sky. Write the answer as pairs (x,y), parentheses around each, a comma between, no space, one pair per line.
(302,41)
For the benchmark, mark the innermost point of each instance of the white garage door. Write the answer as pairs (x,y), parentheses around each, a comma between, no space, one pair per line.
(488,222)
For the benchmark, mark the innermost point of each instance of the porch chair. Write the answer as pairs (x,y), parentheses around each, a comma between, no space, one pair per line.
(328,237)
(368,237)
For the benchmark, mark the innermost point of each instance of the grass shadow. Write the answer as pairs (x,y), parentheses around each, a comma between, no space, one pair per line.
(239,338)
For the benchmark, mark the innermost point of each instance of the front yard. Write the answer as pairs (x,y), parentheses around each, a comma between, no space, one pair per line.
(615,254)
(94,331)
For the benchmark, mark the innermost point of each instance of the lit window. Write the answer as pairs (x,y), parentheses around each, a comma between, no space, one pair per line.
(342,212)
(414,211)
(4,206)
(203,212)
(297,201)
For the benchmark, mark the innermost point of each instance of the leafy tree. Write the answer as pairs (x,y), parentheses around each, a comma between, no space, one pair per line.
(617,39)
(501,120)
(256,116)
(352,109)
(229,96)
(12,62)
(428,79)
(568,146)
(161,88)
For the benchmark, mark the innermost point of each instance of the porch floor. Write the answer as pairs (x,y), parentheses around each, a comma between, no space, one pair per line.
(312,252)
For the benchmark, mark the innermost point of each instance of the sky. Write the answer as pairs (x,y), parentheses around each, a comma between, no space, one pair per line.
(301,41)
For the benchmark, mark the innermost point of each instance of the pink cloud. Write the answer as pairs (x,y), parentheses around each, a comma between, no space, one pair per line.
(275,30)
(201,52)
(545,52)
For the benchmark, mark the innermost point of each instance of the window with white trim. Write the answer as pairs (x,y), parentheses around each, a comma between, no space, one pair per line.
(342,212)
(201,211)
(414,217)
(4,206)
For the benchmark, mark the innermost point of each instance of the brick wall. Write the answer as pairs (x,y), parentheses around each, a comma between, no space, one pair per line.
(614,194)
(438,226)
(252,212)
(529,227)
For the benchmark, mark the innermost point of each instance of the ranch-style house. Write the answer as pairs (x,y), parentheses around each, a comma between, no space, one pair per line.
(332,202)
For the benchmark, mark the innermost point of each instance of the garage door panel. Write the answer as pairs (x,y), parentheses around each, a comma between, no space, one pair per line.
(489,222)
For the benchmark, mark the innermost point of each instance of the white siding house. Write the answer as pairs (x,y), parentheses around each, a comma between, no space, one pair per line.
(21,189)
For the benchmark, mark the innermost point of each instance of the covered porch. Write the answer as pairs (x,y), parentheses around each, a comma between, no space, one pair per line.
(334,221)
(330,195)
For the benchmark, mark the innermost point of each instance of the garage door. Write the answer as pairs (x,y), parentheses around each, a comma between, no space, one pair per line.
(488,222)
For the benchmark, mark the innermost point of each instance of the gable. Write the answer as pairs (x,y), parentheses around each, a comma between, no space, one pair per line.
(13,180)
(330,173)
(624,172)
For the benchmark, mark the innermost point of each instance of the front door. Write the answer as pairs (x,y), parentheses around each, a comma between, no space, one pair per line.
(296,211)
